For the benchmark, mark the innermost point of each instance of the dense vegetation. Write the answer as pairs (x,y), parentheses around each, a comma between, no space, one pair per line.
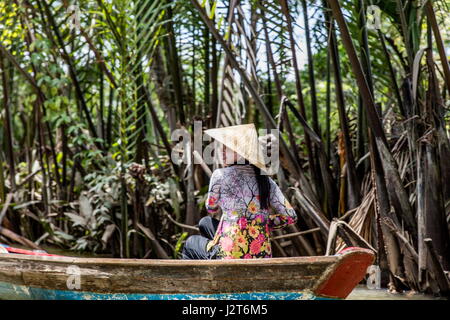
(90,92)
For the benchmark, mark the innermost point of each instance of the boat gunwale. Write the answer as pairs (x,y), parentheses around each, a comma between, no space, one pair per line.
(172,262)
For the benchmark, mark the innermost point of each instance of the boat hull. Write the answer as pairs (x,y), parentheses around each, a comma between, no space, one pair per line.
(65,278)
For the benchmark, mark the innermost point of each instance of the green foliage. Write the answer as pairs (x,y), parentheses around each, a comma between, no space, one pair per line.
(179,245)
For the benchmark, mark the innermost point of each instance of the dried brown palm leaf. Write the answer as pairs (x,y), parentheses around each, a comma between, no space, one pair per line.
(361,221)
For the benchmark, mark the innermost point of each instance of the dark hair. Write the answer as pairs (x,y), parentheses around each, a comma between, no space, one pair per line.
(263,184)
(263,187)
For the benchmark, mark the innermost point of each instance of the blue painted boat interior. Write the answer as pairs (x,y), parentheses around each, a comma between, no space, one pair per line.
(17,292)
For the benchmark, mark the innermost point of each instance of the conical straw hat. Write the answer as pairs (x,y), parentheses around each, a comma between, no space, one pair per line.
(242,139)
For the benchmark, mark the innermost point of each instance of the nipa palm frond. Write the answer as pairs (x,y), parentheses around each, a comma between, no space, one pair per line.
(241,37)
(138,26)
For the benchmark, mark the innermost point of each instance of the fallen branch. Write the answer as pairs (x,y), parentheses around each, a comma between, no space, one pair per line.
(19,239)
(315,213)
(390,224)
(5,207)
(181,225)
(28,177)
(160,252)
(295,234)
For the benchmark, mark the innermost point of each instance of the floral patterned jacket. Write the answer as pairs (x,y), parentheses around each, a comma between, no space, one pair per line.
(244,228)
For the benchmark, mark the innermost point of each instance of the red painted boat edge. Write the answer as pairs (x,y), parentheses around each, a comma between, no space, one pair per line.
(28,252)
(344,276)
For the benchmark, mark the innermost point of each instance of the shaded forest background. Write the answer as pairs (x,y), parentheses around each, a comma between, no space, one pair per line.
(90,92)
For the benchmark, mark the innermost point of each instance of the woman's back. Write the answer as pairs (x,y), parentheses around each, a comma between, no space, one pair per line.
(244,229)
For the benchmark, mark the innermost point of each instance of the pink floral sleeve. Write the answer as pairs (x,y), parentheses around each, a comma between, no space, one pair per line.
(282,213)
(212,200)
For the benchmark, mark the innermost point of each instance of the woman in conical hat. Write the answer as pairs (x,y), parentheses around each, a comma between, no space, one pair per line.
(251,203)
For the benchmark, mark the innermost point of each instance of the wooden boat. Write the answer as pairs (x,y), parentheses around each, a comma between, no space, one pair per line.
(45,276)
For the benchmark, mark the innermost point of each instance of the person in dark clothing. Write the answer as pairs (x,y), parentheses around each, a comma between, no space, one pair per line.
(196,243)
